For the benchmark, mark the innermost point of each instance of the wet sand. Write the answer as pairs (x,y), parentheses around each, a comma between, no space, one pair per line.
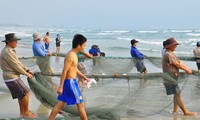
(10,109)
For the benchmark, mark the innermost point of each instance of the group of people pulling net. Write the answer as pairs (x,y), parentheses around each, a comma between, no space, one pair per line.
(120,91)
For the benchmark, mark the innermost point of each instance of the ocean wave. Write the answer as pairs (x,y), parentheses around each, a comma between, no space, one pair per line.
(152,50)
(116,31)
(151,31)
(196,30)
(190,41)
(118,48)
(151,42)
(181,31)
(193,34)
(112,32)
(121,38)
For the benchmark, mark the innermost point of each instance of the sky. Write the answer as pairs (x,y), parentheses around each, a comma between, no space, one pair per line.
(116,14)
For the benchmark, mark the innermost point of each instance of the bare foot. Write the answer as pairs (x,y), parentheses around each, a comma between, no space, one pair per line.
(176,113)
(191,113)
(29,115)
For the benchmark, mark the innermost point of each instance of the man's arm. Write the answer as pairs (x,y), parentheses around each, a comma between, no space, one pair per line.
(139,55)
(82,75)
(16,65)
(67,63)
(182,66)
(87,55)
(45,39)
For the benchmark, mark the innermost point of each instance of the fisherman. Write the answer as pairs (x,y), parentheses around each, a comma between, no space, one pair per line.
(171,65)
(138,57)
(12,68)
(196,52)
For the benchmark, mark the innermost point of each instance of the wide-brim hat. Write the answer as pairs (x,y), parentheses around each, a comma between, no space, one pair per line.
(10,37)
(37,36)
(170,42)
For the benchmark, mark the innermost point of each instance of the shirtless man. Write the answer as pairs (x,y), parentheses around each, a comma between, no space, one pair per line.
(68,90)
(171,65)
(47,41)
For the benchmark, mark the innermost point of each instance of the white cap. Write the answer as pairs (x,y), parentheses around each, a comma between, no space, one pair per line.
(36,36)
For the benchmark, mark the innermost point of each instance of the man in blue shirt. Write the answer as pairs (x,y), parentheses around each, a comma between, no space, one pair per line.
(138,57)
(95,51)
(38,48)
(40,52)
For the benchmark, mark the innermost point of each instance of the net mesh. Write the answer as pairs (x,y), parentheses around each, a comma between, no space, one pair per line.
(115,96)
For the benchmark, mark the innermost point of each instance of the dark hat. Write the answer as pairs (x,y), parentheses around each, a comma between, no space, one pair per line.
(10,37)
(94,46)
(170,42)
(133,41)
(198,43)
(164,43)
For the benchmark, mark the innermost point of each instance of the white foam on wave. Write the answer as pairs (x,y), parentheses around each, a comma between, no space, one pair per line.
(150,31)
(116,31)
(112,32)
(181,31)
(153,50)
(193,34)
(151,42)
(190,41)
(121,38)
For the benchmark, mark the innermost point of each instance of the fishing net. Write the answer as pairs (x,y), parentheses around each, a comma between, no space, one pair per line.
(121,92)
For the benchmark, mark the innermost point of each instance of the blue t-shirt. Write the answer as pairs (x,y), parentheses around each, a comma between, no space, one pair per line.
(79,54)
(94,52)
(135,53)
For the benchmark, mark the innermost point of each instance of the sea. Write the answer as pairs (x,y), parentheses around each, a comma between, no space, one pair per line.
(113,42)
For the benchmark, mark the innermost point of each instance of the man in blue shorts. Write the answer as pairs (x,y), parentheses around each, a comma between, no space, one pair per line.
(68,90)
(47,40)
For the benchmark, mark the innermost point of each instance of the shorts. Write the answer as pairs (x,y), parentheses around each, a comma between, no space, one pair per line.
(198,65)
(82,68)
(17,88)
(57,44)
(140,66)
(71,93)
(46,46)
(172,89)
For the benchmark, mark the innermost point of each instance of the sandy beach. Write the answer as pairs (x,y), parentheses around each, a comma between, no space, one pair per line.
(11,109)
